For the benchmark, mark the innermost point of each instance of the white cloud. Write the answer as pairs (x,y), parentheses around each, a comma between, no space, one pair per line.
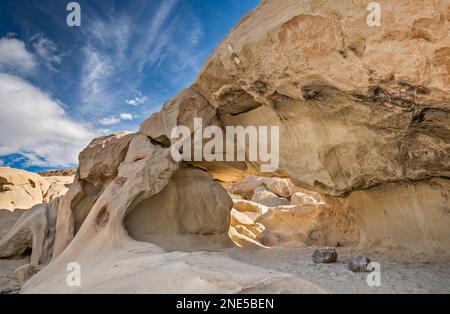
(47,50)
(109,121)
(14,56)
(36,126)
(126,117)
(97,93)
(116,120)
(139,100)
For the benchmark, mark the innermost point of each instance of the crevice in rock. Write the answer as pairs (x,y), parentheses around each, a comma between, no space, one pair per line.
(234,101)
(162,141)
(102,217)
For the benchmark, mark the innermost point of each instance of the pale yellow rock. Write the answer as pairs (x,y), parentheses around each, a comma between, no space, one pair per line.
(246,187)
(364,118)
(21,189)
(180,111)
(100,160)
(58,186)
(404,217)
(143,268)
(357,106)
(99,163)
(310,198)
(316,224)
(191,213)
(267,198)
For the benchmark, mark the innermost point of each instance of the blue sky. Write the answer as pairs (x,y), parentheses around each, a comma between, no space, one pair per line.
(60,86)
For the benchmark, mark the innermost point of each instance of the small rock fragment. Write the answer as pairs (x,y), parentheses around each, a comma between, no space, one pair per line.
(325,256)
(8,286)
(358,264)
(22,274)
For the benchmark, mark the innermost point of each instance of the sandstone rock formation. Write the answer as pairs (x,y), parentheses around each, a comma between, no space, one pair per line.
(364,117)
(21,189)
(191,213)
(151,198)
(357,106)
(35,231)
(363,111)
(29,205)
(308,221)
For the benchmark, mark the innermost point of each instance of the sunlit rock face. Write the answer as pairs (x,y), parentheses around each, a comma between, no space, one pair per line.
(364,112)
(364,117)
(358,106)
(28,210)
(272,212)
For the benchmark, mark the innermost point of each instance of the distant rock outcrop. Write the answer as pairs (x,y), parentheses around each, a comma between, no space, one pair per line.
(28,210)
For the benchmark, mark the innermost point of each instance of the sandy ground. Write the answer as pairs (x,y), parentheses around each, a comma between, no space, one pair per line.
(6,269)
(244,270)
(400,272)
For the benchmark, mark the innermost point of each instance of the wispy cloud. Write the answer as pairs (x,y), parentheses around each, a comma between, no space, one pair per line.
(138,100)
(96,75)
(109,121)
(14,56)
(126,117)
(113,120)
(47,51)
(122,49)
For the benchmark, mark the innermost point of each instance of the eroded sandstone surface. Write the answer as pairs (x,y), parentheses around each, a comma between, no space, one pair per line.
(364,117)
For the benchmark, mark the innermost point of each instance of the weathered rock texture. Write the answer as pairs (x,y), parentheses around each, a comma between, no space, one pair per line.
(151,198)
(190,209)
(27,222)
(273,221)
(364,112)
(35,231)
(21,189)
(364,116)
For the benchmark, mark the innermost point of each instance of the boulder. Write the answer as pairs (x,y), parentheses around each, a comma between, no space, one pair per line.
(310,198)
(325,256)
(180,111)
(265,197)
(101,158)
(359,264)
(245,188)
(21,189)
(58,186)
